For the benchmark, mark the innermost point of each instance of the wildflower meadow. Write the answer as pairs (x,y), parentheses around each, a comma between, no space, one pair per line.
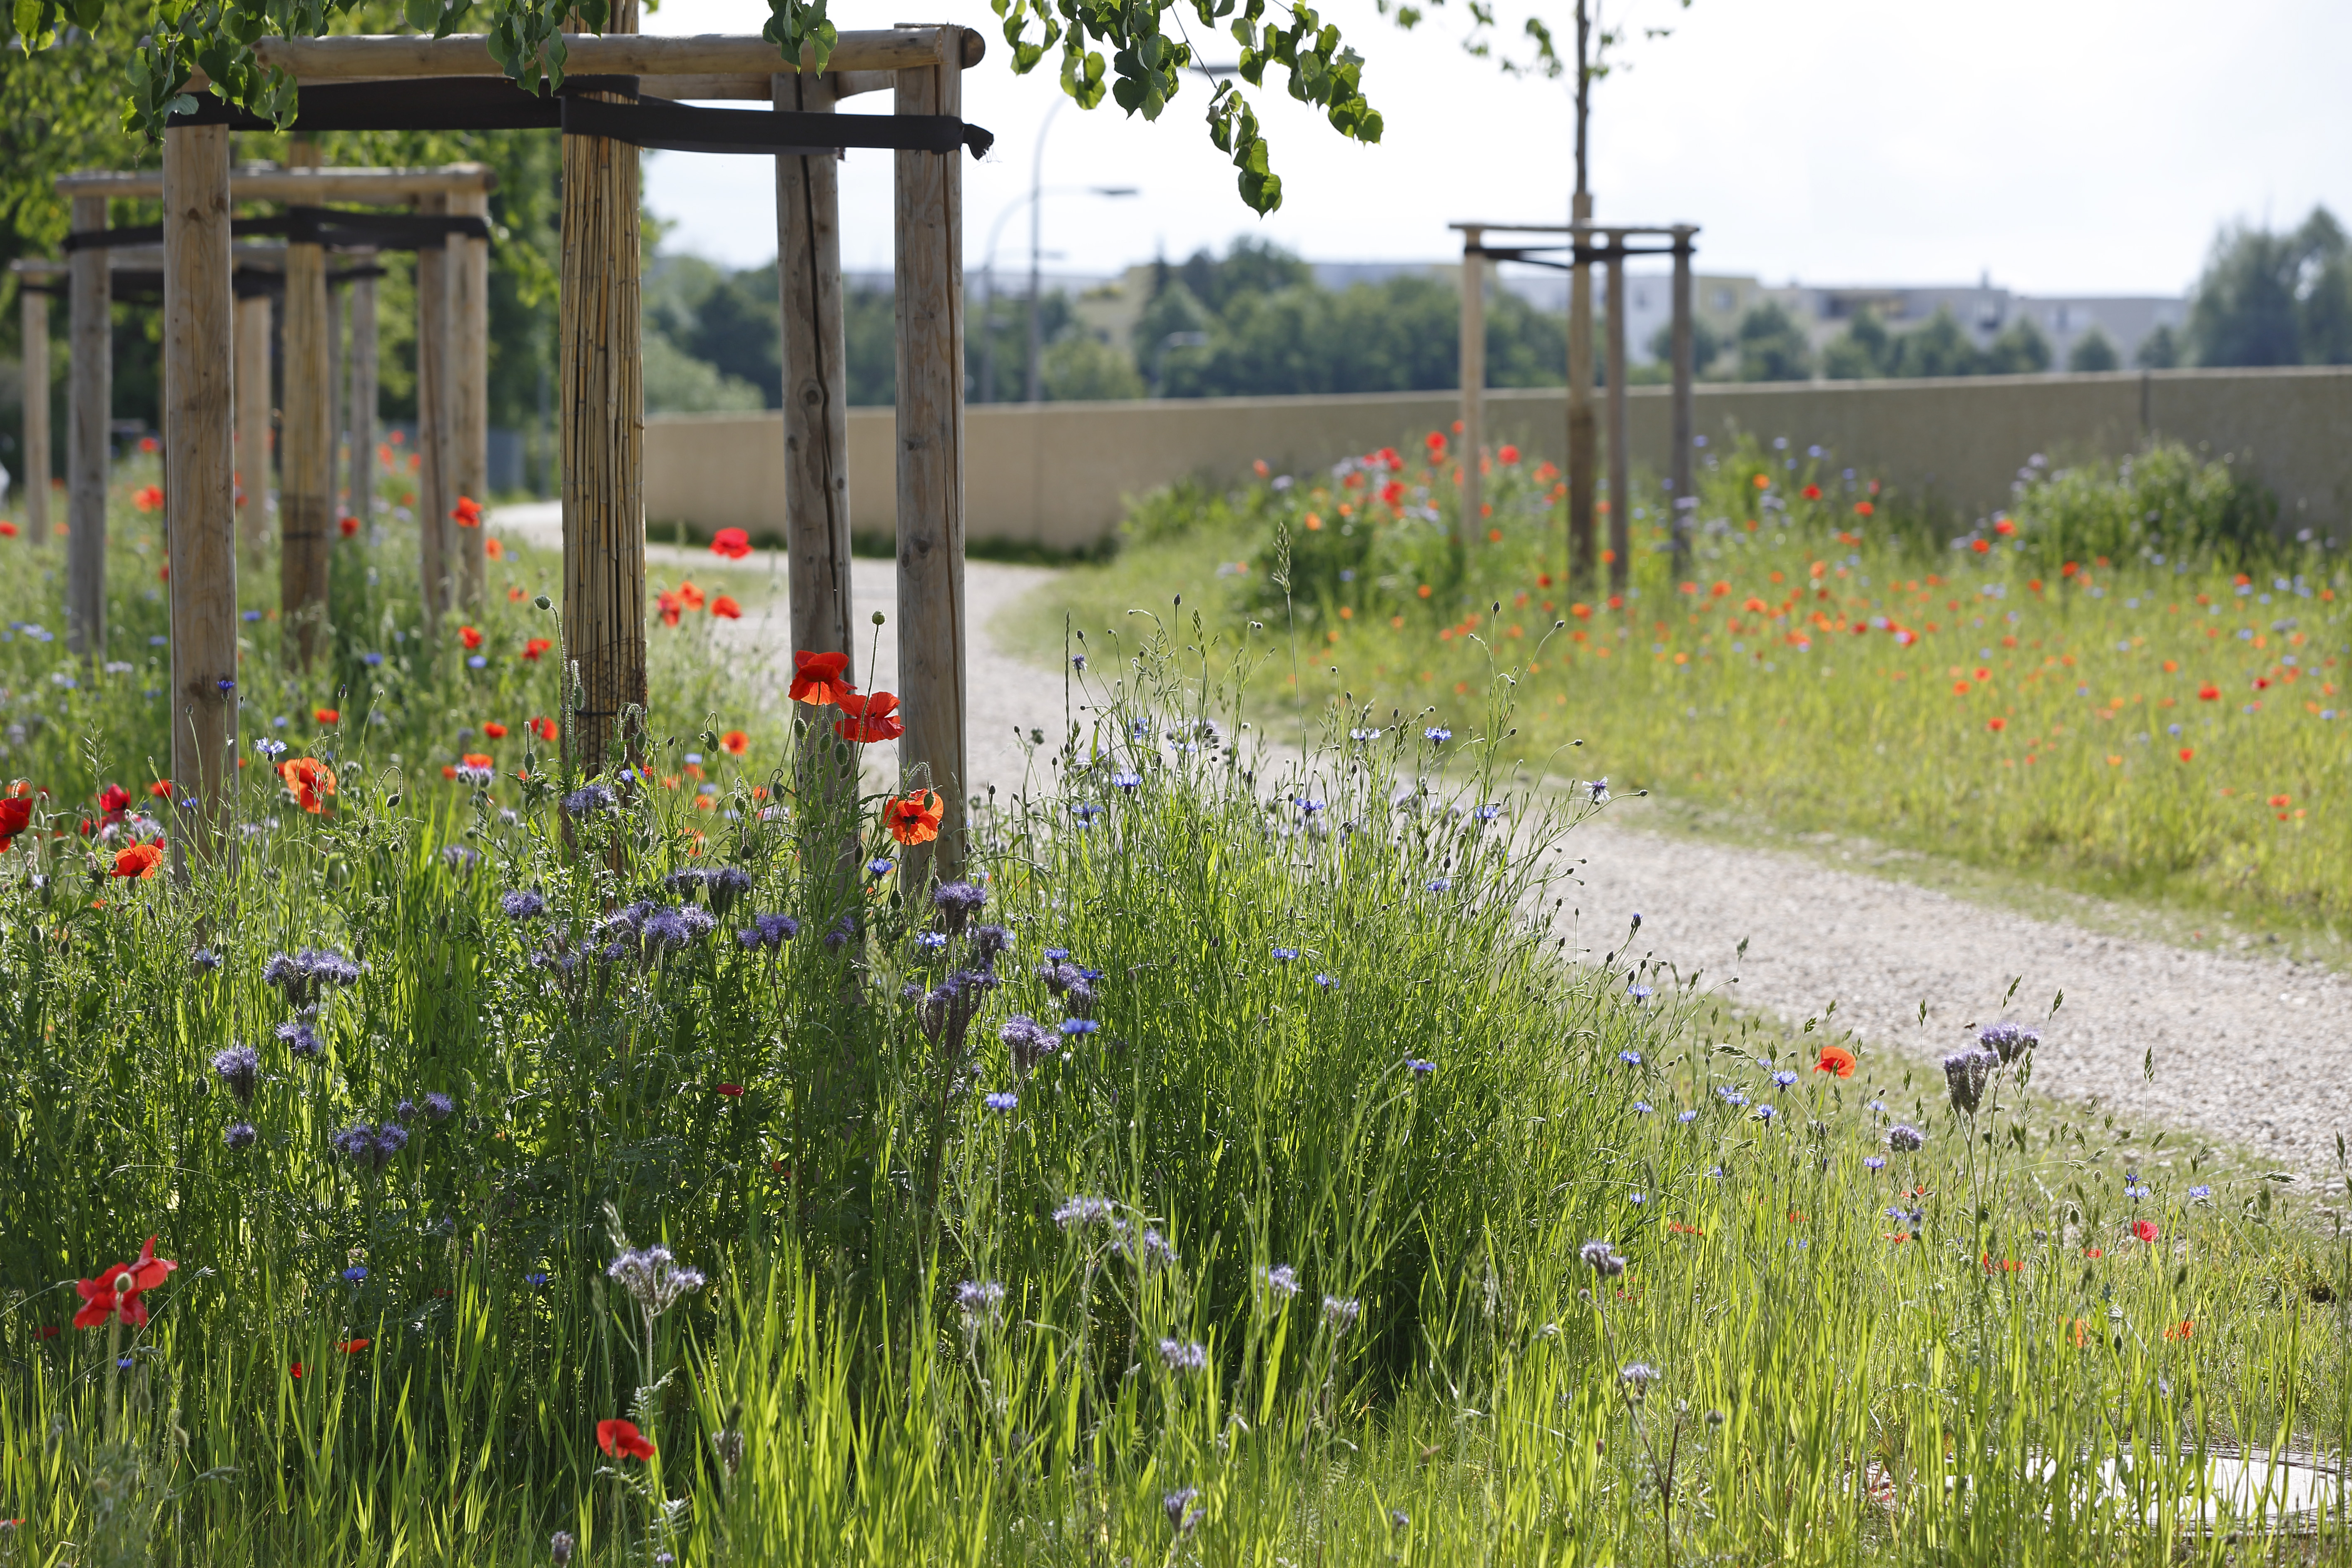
(501,1161)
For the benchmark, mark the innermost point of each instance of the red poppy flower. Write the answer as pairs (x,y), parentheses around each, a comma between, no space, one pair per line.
(480,759)
(2145,1230)
(138,860)
(294,1371)
(1812,492)
(116,1290)
(689,595)
(1863,509)
(914,819)
(494,732)
(467,512)
(622,1437)
(8,530)
(545,728)
(161,789)
(2209,692)
(1996,725)
(114,800)
(2186,752)
(726,608)
(353,1347)
(734,743)
(498,551)
(148,498)
(534,647)
(1436,441)
(2181,1331)
(1393,492)
(731,542)
(147,444)
(731,1090)
(1835,1059)
(1508,455)
(670,606)
(869,719)
(820,679)
(471,636)
(309,781)
(327,715)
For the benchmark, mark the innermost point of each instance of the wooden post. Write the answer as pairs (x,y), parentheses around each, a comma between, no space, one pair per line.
(817,424)
(89,414)
(468,381)
(602,402)
(200,486)
(1581,555)
(1678,467)
(929,299)
(332,386)
(1621,459)
(1471,445)
(33,310)
(364,394)
(253,431)
(305,479)
(435,551)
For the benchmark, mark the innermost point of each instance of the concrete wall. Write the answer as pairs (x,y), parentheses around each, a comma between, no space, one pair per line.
(1060,474)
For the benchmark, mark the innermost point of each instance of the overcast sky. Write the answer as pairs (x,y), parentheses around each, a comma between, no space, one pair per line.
(2063,146)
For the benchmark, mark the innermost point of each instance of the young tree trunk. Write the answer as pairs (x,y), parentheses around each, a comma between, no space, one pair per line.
(89,414)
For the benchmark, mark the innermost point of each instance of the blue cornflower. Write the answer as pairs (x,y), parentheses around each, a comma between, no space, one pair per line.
(1308,808)
(1487,813)
(2135,1190)
(1873,1162)
(880,865)
(205,959)
(1643,1108)
(1128,782)
(271,750)
(2200,1193)
(535,1280)
(1784,1078)
(1437,734)
(526,905)
(1686,1117)
(1419,1069)
(1439,884)
(478,662)
(1001,1101)
(1730,1095)
(1639,993)
(1080,1025)
(1637,1198)
(356,1273)
(1326,980)
(1085,811)
(930,941)
(371,659)
(1766,1112)
(1285,954)
(1056,955)
(1630,1059)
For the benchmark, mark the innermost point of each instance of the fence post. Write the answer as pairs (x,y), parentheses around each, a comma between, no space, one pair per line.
(1472,443)
(433,546)
(253,427)
(33,311)
(1621,459)
(602,406)
(89,416)
(364,394)
(199,487)
(929,299)
(306,480)
(467,380)
(1684,500)
(1582,556)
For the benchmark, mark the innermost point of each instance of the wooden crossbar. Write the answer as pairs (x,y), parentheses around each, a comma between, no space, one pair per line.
(383,57)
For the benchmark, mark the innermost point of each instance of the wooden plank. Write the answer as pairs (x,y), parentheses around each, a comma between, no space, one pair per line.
(928,294)
(817,433)
(89,412)
(299,187)
(254,437)
(200,489)
(1684,498)
(601,403)
(306,479)
(1471,442)
(1582,457)
(467,378)
(33,313)
(620,52)
(435,559)
(362,415)
(1621,448)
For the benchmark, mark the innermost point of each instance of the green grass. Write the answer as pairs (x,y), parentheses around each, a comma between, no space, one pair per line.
(2150,725)
(1291,1243)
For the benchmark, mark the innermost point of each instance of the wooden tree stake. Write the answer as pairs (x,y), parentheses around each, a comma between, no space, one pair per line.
(436,552)
(929,300)
(89,414)
(199,488)
(306,489)
(1621,451)
(253,429)
(363,415)
(1678,466)
(1471,442)
(33,310)
(602,398)
(1582,556)
(468,381)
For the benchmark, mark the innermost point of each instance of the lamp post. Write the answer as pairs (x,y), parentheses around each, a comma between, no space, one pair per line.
(1034,200)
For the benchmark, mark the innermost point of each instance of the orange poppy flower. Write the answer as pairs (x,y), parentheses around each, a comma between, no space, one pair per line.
(148,497)
(498,551)
(869,719)
(546,729)
(689,595)
(914,819)
(821,680)
(734,743)
(326,715)
(480,759)
(139,860)
(1835,1059)
(353,1347)
(726,608)
(467,512)
(471,636)
(731,542)
(494,732)
(619,1439)
(161,789)
(310,781)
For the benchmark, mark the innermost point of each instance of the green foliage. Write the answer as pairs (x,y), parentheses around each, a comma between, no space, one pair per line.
(2164,502)
(2160,350)
(1863,351)
(2018,350)
(2094,353)
(1079,366)
(1940,347)
(1773,346)
(1705,345)
(2275,299)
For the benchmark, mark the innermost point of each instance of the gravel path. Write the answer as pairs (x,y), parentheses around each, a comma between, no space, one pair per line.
(2251,1052)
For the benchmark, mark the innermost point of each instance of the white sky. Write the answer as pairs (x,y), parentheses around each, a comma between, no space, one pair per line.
(2066,146)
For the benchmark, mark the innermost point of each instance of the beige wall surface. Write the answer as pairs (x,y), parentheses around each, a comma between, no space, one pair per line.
(1060,474)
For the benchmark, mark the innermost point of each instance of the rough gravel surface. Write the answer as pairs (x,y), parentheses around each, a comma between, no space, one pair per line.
(2250,1052)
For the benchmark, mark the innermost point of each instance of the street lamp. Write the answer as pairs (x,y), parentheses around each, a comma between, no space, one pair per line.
(988,274)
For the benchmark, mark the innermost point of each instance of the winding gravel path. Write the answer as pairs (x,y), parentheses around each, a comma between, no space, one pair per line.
(2252,1052)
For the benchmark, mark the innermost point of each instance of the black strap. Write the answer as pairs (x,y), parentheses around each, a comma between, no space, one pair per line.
(27,286)
(314,225)
(496,104)
(1540,256)
(354,274)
